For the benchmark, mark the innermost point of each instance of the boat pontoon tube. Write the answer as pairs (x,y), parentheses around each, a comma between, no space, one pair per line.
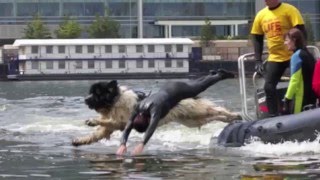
(295,127)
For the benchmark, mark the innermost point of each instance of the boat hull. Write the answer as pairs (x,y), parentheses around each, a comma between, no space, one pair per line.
(295,127)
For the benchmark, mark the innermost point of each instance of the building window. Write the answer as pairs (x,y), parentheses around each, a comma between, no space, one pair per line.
(61,64)
(78,65)
(61,49)
(49,65)
(49,49)
(122,49)
(34,64)
(122,64)
(23,50)
(90,64)
(90,49)
(34,49)
(82,8)
(78,49)
(167,63)
(30,8)
(180,63)
(139,48)
(108,48)
(179,48)
(167,48)
(6,9)
(108,64)
(139,64)
(150,48)
(151,63)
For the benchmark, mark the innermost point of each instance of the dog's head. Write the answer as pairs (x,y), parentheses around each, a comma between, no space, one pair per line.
(102,95)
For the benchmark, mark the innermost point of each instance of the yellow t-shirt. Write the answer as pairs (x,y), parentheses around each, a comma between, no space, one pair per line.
(274,24)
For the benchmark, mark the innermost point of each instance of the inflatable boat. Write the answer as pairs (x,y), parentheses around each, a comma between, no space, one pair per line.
(295,127)
(304,126)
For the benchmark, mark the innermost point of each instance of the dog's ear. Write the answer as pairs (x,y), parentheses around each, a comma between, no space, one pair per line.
(113,85)
(98,89)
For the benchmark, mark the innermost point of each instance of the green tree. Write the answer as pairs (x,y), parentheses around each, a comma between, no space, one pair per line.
(206,33)
(36,29)
(309,29)
(104,27)
(68,29)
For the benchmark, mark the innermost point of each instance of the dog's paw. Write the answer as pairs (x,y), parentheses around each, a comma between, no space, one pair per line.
(91,122)
(75,142)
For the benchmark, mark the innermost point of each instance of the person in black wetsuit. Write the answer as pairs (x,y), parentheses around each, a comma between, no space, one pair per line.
(152,109)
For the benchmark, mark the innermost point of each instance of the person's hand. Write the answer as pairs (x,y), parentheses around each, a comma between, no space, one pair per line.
(259,68)
(138,149)
(122,149)
(286,106)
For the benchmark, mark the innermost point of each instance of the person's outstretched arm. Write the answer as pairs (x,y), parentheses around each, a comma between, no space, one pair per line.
(125,135)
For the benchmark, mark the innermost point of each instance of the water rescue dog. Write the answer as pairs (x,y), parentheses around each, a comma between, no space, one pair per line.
(116,103)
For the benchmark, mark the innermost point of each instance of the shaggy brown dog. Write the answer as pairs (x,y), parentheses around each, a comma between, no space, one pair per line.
(115,104)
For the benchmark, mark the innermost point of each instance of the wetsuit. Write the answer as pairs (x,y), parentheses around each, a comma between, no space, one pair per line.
(300,86)
(158,105)
(274,24)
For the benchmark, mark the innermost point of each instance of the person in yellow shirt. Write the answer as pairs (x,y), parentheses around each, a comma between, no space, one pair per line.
(273,22)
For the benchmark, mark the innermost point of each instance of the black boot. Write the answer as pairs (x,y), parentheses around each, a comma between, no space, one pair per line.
(213,72)
(225,74)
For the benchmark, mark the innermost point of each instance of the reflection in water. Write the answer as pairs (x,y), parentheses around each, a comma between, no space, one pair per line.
(176,166)
(274,168)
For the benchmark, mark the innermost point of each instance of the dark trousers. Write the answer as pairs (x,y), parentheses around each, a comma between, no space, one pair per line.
(274,71)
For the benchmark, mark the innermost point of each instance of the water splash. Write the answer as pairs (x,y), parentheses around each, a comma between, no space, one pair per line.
(284,148)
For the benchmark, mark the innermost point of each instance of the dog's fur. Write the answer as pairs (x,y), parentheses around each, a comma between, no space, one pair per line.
(115,104)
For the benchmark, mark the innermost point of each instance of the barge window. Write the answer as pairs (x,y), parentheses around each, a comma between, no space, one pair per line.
(78,65)
(179,48)
(49,49)
(90,64)
(122,49)
(168,63)
(78,49)
(108,48)
(49,65)
(150,48)
(180,63)
(108,64)
(139,48)
(139,63)
(167,48)
(34,49)
(34,64)
(151,63)
(61,64)
(122,64)
(90,49)
(61,49)
(23,50)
